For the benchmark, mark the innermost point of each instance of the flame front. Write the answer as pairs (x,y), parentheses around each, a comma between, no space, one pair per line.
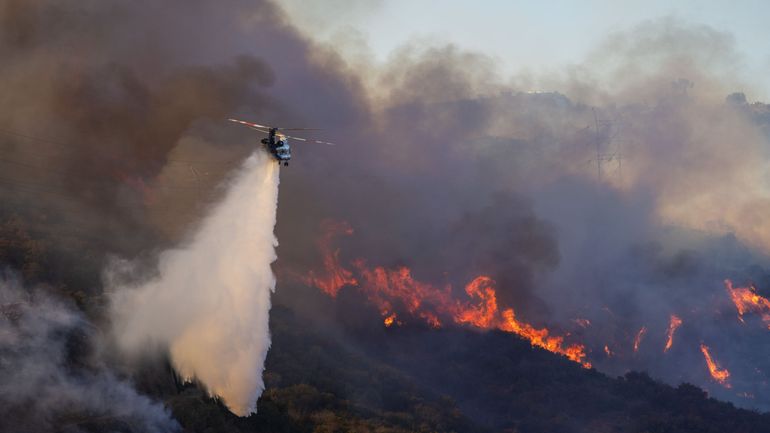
(673,324)
(747,300)
(401,298)
(484,313)
(335,276)
(396,290)
(391,290)
(638,338)
(542,338)
(719,374)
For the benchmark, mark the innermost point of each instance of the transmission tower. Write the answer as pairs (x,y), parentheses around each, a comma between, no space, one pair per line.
(603,144)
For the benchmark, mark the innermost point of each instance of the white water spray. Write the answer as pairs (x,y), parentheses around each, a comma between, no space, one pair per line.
(209,304)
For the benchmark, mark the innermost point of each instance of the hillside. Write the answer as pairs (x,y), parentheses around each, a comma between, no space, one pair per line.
(323,376)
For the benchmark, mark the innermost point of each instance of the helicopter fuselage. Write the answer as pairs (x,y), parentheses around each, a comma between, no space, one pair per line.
(278,146)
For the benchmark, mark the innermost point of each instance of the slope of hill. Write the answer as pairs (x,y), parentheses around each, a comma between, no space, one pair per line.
(344,378)
(501,382)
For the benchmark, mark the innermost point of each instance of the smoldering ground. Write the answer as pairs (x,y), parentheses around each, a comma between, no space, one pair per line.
(438,155)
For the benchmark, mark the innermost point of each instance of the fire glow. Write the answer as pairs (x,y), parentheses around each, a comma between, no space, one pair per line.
(747,300)
(673,324)
(395,291)
(638,338)
(719,374)
(336,276)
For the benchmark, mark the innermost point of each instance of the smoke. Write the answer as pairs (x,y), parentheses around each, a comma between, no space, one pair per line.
(100,100)
(50,381)
(209,304)
(624,218)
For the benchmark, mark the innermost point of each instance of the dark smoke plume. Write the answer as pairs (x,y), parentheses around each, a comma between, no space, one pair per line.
(624,199)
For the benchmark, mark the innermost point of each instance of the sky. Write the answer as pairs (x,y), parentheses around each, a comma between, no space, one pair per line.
(534,36)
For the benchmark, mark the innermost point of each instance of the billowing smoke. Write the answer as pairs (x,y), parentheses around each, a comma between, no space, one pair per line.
(624,194)
(51,381)
(209,304)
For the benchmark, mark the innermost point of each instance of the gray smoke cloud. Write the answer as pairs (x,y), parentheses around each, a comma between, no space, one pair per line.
(479,175)
(107,103)
(49,383)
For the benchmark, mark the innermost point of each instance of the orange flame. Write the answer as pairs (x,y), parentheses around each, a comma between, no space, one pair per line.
(396,290)
(719,374)
(674,323)
(334,276)
(608,351)
(541,338)
(390,320)
(387,289)
(390,289)
(483,314)
(638,338)
(747,300)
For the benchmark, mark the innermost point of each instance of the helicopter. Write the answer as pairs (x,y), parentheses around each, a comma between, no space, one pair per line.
(277,143)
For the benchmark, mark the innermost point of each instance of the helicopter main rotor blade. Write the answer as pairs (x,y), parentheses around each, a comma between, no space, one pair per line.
(249,124)
(312,141)
(324,142)
(257,125)
(266,130)
(295,138)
